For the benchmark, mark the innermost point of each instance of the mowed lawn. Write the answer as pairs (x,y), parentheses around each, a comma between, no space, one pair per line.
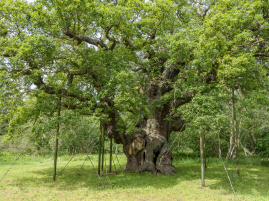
(31,179)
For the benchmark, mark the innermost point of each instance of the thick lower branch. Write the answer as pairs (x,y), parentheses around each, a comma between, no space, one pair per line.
(86,39)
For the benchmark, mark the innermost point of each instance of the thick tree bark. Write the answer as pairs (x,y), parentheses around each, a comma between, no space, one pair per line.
(147,149)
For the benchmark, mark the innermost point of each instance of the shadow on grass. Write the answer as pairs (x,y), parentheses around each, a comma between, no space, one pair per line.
(253,178)
(74,177)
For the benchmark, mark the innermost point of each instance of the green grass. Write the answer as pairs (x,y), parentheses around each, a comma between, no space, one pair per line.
(31,179)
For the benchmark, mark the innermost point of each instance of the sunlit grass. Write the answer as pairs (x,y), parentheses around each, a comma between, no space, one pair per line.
(31,179)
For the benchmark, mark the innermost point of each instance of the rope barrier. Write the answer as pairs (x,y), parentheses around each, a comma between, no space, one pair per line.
(87,156)
(118,161)
(90,161)
(66,164)
(227,174)
(11,166)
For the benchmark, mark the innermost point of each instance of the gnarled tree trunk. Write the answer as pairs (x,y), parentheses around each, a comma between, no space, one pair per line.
(148,150)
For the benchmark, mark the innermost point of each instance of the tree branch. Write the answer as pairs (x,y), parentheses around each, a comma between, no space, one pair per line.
(185,98)
(86,39)
(261,54)
(114,41)
(96,80)
(51,90)
(204,12)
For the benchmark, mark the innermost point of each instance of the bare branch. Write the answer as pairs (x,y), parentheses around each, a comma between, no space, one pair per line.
(204,12)
(207,9)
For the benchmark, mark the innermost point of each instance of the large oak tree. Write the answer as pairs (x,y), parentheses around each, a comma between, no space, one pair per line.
(132,63)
